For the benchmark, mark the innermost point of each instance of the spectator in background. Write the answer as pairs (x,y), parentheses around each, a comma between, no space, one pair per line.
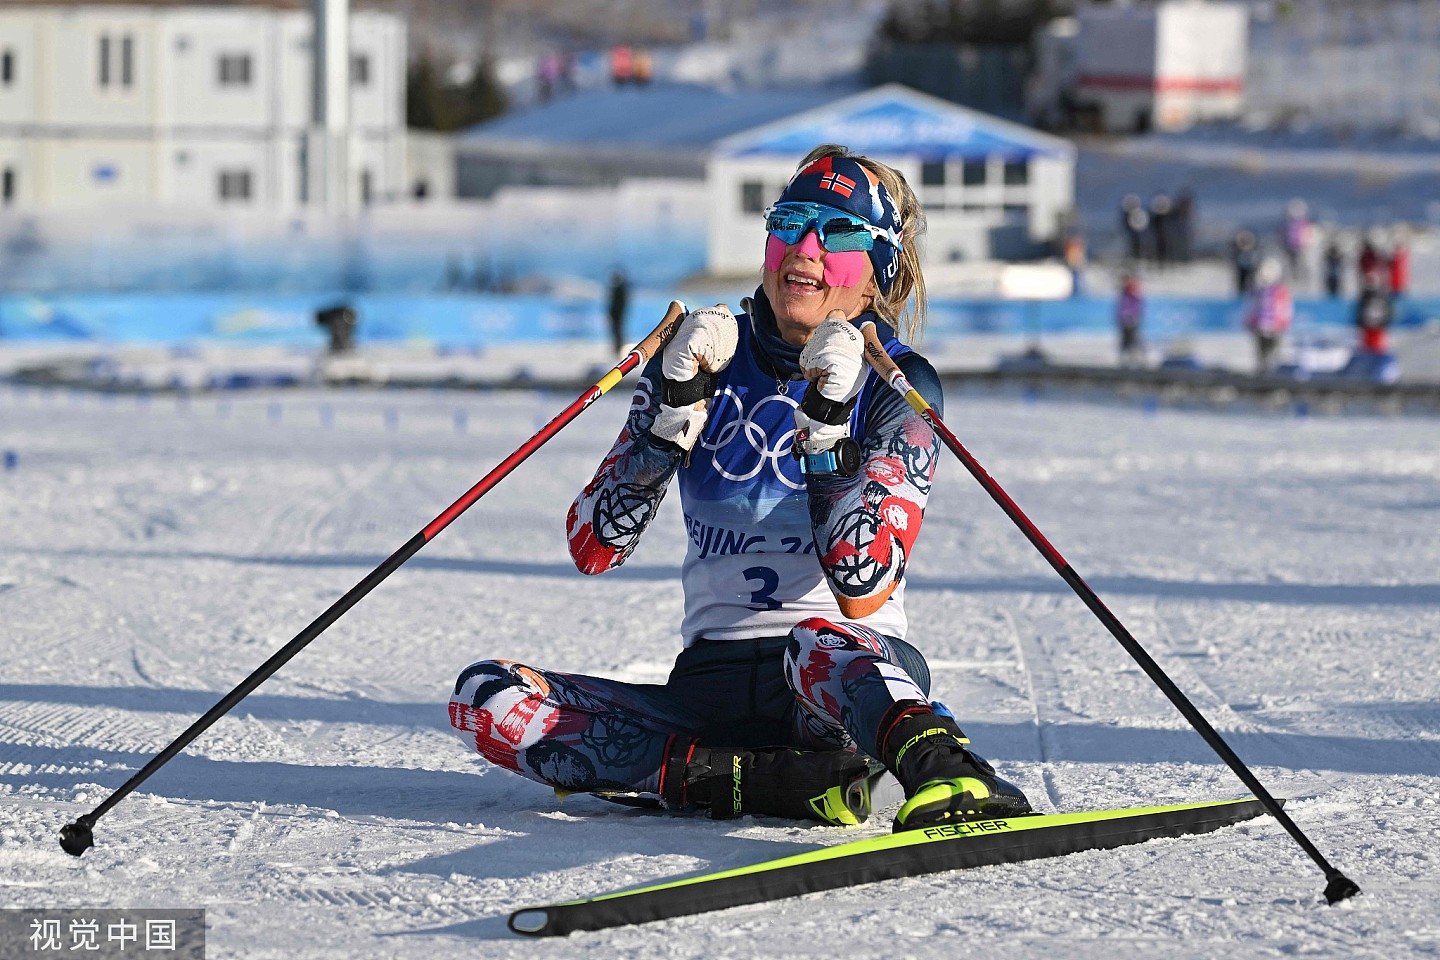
(1334,266)
(1162,225)
(1134,221)
(642,68)
(1245,254)
(1399,265)
(567,71)
(548,75)
(1268,312)
(1129,317)
(619,301)
(622,65)
(1184,224)
(1073,250)
(1295,237)
(1373,313)
(1369,262)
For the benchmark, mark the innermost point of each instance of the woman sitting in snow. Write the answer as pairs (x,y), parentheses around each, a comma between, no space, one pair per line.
(803,480)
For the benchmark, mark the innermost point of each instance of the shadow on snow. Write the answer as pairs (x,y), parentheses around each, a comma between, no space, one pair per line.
(1412,594)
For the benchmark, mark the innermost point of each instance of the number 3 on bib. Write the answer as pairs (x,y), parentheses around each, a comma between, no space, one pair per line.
(764,597)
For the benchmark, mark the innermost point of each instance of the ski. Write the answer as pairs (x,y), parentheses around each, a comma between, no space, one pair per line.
(955,846)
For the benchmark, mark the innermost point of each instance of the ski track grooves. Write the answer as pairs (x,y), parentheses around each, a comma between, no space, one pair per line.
(1043,686)
(155,560)
(1194,672)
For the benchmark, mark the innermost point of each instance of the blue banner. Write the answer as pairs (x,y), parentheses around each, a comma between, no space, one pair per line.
(472,320)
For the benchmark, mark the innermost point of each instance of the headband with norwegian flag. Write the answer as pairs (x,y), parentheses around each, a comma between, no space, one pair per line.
(842,183)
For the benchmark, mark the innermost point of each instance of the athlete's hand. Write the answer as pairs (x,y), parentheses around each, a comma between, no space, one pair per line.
(705,341)
(704,345)
(834,362)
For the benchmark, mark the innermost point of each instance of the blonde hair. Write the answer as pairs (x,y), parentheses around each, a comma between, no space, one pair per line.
(903,306)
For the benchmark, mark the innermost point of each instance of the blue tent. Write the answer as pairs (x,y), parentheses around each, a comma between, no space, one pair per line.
(897,120)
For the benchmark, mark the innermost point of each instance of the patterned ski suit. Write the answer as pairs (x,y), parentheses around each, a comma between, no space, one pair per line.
(775,560)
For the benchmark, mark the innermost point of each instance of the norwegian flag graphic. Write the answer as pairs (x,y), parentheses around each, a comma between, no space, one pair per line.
(841,185)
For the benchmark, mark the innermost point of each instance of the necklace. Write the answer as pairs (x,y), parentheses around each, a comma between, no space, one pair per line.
(767,366)
(763,360)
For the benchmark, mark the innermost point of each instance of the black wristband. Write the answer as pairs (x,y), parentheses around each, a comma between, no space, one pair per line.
(685,393)
(825,410)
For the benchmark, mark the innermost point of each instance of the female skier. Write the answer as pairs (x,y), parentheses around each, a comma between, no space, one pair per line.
(803,480)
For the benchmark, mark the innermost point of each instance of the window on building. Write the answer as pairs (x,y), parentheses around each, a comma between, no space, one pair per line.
(1016,214)
(359,70)
(1017,172)
(234,69)
(7,67)
(235,186)
(752,196)
(932,174)
(7,186)
(116,62)
(973,174)
(367,187)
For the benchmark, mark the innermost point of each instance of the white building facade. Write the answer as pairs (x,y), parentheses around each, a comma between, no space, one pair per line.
(1164,66)
(192,108)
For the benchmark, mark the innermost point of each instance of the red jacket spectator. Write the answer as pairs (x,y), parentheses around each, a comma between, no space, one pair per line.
(622,64)
(1399,270)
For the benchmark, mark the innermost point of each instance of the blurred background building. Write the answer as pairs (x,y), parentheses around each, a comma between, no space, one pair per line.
(162,148)
(1165,67)
(191,107)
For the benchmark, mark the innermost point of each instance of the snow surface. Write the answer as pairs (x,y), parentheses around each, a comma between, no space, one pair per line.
(156,550)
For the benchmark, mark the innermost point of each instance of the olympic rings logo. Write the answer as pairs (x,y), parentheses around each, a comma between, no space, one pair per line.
(744,425)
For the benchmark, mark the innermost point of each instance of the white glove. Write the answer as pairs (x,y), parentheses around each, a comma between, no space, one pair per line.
(705,341)
(704,345)
(834,361)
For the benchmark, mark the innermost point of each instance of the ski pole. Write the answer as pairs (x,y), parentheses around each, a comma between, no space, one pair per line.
(1339,887)
(77,837)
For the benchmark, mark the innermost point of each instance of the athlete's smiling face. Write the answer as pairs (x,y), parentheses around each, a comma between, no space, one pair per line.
(806,283)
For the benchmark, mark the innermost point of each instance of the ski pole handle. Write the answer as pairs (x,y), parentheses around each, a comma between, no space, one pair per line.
(644,351)
(889,372)
(656,339)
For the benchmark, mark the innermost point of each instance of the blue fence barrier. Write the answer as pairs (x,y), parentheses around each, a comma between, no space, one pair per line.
(469,321)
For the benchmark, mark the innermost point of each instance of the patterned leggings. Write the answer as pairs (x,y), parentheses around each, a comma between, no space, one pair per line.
(824,686)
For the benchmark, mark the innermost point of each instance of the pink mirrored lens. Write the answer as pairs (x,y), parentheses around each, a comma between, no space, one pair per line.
(846,269)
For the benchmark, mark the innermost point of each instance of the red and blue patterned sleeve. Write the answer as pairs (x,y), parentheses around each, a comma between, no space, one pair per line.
(606,520)
(865,526)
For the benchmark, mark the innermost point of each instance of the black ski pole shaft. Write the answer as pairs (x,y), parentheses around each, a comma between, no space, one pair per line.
(78,836)
(1338,887)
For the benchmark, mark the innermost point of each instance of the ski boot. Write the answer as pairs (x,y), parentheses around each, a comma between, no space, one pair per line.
(944,782)
(829,786)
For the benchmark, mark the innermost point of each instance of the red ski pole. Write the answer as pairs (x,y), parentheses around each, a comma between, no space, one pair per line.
(1339,886)
(77,837)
